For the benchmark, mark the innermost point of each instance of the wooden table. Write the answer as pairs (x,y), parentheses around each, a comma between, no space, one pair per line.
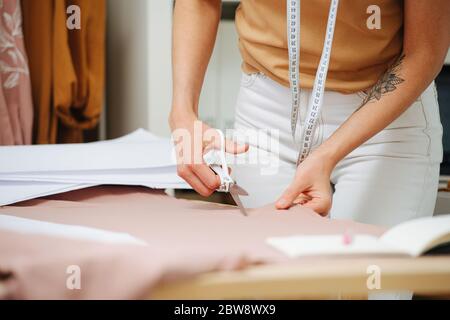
(332,278)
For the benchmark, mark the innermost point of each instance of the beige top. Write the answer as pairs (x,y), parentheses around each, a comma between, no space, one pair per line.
(359,56)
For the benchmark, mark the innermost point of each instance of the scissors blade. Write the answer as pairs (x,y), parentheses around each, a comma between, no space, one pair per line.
(238,201)
(238,190)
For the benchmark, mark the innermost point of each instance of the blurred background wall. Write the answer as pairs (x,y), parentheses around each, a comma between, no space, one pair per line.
(139,68)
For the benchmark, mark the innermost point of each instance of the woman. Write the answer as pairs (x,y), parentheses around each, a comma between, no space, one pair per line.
(376,143)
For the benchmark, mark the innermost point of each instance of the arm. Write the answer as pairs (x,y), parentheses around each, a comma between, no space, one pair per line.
(426,42)
(195,24)
(194,32)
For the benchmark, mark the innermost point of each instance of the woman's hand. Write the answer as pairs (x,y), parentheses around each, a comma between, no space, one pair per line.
(192,137)
(425,45)
(311,186)
(195,24)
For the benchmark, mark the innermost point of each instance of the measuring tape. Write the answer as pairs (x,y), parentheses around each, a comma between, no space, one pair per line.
(316,99)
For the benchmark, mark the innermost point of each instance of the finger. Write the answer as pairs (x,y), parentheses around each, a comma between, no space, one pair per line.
(302,199)
(319,205)
(287,198)
(206,176)
(234,147)
(190,177)
(212,139)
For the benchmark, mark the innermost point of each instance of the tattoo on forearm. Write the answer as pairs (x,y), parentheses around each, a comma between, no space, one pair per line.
(387,83)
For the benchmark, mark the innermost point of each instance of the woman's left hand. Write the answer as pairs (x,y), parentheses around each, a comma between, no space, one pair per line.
(311,186)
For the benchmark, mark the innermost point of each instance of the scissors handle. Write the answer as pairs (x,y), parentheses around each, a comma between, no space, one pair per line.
(217,161)
(225,180)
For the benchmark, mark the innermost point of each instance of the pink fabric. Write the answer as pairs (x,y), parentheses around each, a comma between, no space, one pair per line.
(184,238)
(16,109)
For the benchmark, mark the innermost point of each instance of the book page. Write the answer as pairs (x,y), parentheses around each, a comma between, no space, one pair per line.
(420,235)
(313,245)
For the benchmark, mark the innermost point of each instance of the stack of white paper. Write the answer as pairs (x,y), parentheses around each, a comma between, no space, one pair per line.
(140,158)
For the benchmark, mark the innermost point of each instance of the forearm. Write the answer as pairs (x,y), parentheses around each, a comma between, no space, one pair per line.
(194,32)
(406,82)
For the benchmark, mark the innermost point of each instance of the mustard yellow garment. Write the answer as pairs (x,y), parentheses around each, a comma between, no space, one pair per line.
(66,66)
(359,55)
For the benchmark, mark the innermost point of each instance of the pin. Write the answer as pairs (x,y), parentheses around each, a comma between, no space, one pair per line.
(347,238)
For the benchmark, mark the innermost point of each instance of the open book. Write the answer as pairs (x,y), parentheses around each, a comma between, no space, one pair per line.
(412,238)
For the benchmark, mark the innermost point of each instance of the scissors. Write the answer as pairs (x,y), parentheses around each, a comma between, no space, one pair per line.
(216,160)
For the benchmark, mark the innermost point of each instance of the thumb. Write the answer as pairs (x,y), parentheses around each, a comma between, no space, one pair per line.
(290,194)
(235,148)
(319,205)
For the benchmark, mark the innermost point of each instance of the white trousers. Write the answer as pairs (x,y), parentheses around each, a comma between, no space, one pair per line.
(389,179)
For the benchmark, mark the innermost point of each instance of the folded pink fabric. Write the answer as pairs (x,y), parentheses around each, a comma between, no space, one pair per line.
(184,238)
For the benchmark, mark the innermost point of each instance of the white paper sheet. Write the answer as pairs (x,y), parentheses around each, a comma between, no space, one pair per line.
(127,176)
(88,156)
(17,191)
(115,153)
(36,227)
(139,158)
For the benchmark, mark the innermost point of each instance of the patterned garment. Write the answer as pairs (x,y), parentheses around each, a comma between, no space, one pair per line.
(16,110)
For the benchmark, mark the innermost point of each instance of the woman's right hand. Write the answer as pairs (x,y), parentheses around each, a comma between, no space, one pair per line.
(192,137)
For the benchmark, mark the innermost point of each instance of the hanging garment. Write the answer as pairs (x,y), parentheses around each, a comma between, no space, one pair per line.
(16,109)
(67,66)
